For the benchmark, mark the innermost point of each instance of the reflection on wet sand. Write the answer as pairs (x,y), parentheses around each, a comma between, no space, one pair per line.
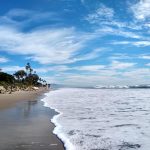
(27,126)
(28,106)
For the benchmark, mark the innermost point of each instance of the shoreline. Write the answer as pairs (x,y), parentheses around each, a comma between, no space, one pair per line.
(26,122)
(66,142)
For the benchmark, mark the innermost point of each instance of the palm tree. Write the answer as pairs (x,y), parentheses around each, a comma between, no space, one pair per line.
(30,70)
(28,67)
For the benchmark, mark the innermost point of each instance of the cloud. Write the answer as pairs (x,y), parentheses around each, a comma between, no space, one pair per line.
(141,43)
(100,14)
(148,64)
(91,55)
(3,59)
(106,77)
(63,68)
(121,65)
(22,18)
(12,69)
(56,46)
(145,57)
(121,25)
(106,16)
(103,31)
(41,70)
(120,56)
(50,80)
(121,42)
(48,45)
(91,68)
(64,45)
(140,73)
(141,9)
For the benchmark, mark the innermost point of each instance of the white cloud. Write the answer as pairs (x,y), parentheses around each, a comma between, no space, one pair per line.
(56,46)
(102,13)
(121,42)
(141,9)
(134,43)
(145,57)
(148,64)
(91,55)
(50,80)
(106,77)
(12,69)
(21,18)
(105,16)
(121,65)
(63,68)
(119,56)
(41,70)
(3,59)
(118,32)
(140,73)
(91,68)
(141,43)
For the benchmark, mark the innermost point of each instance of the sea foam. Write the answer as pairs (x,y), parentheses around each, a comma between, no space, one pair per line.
(110,119)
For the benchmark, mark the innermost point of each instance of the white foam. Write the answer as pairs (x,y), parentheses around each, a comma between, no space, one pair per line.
(57,130)
(101,118)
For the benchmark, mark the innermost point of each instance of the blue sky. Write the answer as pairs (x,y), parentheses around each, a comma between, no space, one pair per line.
(77,42)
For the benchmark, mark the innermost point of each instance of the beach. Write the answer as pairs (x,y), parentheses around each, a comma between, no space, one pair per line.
(25,122)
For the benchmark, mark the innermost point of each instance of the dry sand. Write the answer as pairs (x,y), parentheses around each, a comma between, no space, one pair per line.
(9,100)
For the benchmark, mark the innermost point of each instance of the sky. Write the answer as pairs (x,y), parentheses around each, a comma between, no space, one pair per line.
(77,42)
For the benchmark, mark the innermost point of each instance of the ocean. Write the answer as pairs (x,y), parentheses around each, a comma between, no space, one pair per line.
(101,119)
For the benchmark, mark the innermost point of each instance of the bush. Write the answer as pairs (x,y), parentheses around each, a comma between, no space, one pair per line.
(6,78)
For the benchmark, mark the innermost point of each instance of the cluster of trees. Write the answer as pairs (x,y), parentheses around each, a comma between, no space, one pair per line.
(6,78)
(27,77)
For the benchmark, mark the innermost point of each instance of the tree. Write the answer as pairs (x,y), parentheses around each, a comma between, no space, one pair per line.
(30,70)
(20,75)
(28,67)
(32,79)
(4,77)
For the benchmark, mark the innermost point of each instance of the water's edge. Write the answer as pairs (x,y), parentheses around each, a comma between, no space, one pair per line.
(66,143)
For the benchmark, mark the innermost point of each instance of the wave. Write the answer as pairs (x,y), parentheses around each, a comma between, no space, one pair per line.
(121,87)
(101,119)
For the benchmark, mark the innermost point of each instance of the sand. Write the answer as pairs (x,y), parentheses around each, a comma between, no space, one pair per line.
(9,100)
(25,123)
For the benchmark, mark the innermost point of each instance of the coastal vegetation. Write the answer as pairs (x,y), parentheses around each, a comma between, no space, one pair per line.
(26,79)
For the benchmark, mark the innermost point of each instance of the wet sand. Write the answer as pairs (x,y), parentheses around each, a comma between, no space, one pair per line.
(25,123)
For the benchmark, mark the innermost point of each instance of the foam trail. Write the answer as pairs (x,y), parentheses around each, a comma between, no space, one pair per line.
(57,130)
(111,119)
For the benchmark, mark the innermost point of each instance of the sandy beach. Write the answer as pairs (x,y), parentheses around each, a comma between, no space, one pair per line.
(9,100)
(25,122)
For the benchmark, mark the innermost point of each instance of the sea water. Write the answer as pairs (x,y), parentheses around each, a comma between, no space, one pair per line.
(101,119)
